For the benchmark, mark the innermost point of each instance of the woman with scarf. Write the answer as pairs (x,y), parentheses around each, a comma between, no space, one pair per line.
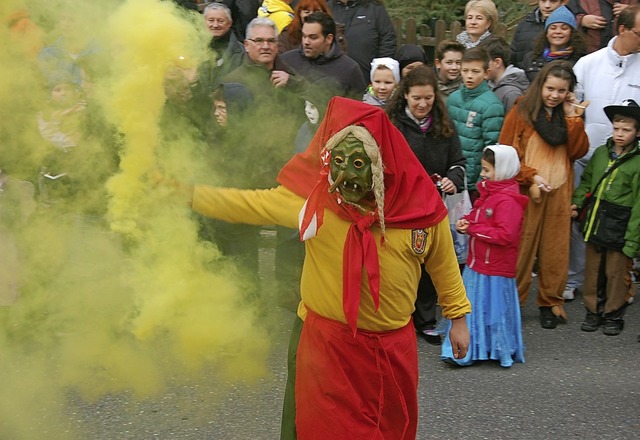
(370,217)
(481,18)
(560,40)
(546,129)
(421,116)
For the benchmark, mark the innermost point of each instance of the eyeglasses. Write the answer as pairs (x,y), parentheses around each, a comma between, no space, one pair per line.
(261,41)
(635,32)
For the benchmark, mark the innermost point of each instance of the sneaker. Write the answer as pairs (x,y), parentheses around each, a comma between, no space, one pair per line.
(569,294)
(591,322)
(613,327)
(431,336)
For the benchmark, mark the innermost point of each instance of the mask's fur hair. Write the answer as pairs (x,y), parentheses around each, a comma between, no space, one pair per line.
(373,151)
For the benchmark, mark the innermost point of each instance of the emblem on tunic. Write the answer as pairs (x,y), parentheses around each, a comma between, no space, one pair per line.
(488,212)
(419,240)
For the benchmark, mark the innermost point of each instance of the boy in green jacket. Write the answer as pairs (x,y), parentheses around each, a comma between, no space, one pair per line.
(610,189)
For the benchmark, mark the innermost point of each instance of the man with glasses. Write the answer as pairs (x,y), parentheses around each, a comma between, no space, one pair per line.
(605,77)
(610,75)
(262,70)
(272,121)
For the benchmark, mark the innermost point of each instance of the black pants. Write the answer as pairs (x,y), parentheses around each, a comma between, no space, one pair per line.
(424,316)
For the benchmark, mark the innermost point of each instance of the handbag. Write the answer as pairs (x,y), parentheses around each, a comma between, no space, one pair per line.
(608,226)
(458,205)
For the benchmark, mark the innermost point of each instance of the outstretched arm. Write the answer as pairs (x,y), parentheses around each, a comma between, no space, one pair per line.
(277,206)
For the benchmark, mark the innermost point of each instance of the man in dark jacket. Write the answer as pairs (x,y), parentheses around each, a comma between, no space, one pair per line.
(529,28)
(262,71)
(320,59)
(368,30)
(226,52)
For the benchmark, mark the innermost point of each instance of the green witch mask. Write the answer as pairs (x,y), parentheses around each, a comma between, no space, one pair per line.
(351,171)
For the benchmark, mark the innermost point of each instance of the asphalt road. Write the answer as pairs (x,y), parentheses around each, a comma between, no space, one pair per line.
(573,385)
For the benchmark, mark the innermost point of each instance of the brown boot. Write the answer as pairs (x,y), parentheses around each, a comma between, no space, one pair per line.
(560,314)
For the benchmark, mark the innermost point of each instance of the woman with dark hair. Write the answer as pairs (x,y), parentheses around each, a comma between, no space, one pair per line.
(547,131)
(560,40)
(291,36)
(421,116)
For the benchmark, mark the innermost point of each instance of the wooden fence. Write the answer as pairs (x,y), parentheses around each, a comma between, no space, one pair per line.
(410,32)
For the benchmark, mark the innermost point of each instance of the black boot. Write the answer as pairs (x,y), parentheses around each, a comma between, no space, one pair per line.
(613,327)
(591,322)
(547,318)
(614,322)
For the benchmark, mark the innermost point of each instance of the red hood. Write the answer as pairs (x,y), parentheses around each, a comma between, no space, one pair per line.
(411,200)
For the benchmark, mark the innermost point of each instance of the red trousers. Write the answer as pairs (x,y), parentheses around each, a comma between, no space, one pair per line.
(355,388)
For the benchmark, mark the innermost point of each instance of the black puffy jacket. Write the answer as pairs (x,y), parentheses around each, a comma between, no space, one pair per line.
(368,30)
(524,36)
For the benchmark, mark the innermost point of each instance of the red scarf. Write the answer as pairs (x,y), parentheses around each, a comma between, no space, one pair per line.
(411,199)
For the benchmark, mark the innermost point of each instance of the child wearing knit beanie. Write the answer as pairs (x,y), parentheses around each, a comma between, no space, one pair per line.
(561,15)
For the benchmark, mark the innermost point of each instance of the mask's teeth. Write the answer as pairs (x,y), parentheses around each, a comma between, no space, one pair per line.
(355,186)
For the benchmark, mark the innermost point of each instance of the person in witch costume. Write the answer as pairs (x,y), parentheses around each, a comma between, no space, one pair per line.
(370,217)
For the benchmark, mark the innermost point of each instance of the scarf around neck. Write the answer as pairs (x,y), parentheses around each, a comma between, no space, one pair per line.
(424,124)
(562,54)
(464,39)
(554,130)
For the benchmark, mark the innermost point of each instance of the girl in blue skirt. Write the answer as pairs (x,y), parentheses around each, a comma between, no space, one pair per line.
(493,225)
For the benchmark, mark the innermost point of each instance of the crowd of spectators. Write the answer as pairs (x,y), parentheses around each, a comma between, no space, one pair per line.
(273,66)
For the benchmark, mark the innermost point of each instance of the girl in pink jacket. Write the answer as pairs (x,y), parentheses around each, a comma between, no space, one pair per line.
(494,226)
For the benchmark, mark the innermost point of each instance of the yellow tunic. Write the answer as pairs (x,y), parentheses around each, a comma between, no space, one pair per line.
(321,284)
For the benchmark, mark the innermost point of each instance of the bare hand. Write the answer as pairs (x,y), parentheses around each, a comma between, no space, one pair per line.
(574,211)
(279,78)
(594,21)
(448,186)
(618,8)
(542,183)
(572,107)
(462,225)
(459,336)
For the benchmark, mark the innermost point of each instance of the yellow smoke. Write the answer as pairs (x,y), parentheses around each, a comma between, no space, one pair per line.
(131,300)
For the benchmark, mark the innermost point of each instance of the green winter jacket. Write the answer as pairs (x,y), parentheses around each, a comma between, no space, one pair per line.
(621,187)
(478,116)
